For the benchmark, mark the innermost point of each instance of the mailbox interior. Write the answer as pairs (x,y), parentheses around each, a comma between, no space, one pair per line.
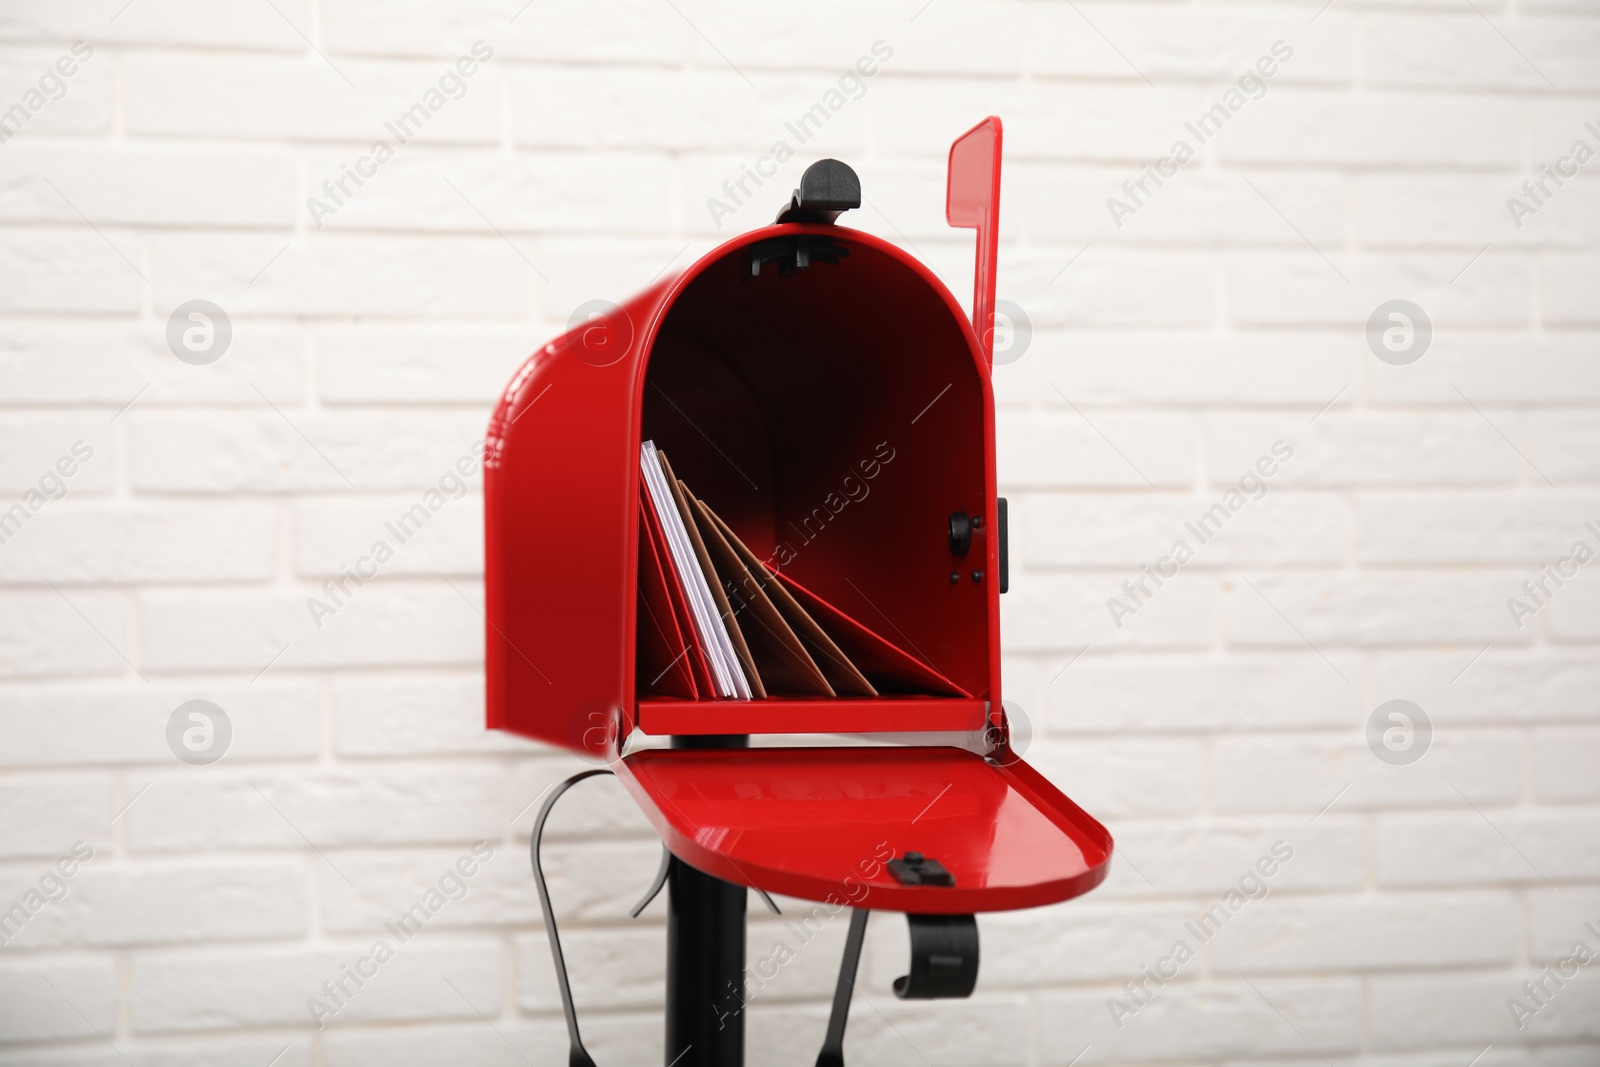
(835,417)
(775,397)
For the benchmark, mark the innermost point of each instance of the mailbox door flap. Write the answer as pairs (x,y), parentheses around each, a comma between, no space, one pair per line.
(822,823)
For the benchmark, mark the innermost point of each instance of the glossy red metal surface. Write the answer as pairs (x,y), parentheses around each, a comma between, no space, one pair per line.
(790,716)
(972,200)
(773,396)
(818,823)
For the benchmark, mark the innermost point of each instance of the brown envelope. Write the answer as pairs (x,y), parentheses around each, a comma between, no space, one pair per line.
(664,663)
(836,667)
(892,668)
(780,656)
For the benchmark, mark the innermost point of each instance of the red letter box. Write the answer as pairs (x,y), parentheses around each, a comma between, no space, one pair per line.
(826,396)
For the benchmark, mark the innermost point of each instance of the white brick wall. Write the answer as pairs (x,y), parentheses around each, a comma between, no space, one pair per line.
(1167,355)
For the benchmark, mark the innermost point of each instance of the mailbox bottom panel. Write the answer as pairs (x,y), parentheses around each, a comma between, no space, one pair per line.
(781,716)
(822,824)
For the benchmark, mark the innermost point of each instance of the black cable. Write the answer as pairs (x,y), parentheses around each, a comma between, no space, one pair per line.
(577,1055)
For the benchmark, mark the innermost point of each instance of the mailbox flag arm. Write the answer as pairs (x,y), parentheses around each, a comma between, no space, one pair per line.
(972,201)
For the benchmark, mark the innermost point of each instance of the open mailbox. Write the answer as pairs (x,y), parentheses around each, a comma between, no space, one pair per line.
(826,398)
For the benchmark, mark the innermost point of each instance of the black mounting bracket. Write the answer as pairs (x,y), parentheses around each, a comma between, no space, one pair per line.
(944,958)
(791,253)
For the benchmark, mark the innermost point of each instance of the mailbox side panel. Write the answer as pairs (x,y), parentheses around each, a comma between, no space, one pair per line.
(560,480)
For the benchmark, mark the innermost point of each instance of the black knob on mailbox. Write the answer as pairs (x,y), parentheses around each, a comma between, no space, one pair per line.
(827,188)
(960,533)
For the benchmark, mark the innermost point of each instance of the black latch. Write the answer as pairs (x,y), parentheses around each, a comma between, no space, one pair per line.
(916,869)
(944,958)
(827,188)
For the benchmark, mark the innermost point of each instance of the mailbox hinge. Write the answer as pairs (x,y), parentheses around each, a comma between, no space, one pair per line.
(1001,524)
